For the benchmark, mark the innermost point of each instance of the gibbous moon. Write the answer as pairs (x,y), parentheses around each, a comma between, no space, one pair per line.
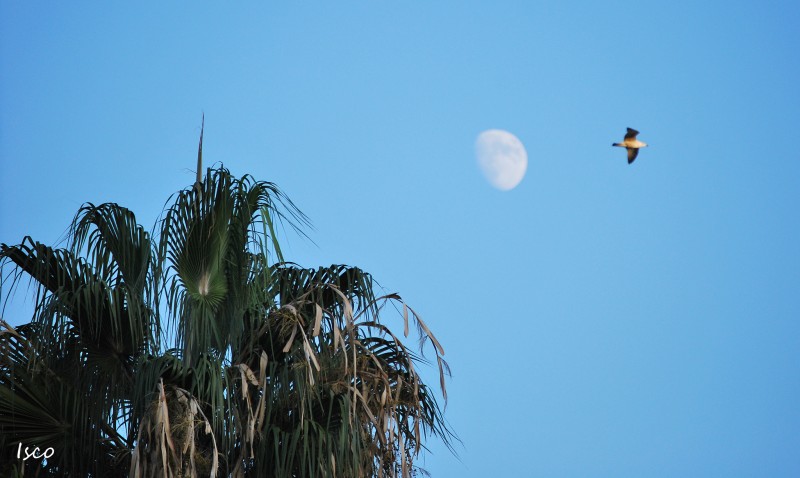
(502,158)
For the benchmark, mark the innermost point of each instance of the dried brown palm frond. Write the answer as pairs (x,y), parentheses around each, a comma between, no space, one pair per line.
(175,438)
(336,377)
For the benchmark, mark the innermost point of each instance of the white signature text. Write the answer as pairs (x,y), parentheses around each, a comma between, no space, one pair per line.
(35,453)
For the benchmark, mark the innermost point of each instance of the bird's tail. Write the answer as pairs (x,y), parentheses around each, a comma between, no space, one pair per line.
(617,144)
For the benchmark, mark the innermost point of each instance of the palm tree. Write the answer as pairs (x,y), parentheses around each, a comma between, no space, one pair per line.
(202,353)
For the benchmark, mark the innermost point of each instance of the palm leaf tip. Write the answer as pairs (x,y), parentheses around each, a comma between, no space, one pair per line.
(199,180)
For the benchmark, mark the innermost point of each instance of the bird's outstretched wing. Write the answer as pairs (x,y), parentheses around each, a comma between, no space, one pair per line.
(631,134)
(632,153)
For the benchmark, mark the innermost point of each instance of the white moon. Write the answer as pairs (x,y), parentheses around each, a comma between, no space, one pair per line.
(502,158)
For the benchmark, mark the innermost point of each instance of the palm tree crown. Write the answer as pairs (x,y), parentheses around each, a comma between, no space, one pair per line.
(202,353)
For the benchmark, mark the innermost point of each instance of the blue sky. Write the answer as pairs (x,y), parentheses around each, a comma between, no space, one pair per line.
(601,319)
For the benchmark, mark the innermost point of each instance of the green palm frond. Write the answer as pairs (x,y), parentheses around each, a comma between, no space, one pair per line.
(70,289)
(45,401)
(115,243)
(212,245)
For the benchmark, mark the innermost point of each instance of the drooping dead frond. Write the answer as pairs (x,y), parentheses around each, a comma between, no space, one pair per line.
(340,372)
(175,438)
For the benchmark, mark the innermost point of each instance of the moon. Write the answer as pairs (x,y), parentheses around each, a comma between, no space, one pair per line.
(502,158)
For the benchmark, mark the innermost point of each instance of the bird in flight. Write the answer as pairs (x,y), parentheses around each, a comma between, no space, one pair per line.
(631,144)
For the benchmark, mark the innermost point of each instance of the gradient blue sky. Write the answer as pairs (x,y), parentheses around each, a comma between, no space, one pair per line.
(601,320)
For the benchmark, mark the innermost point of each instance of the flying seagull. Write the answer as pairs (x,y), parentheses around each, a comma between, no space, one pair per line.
(631,144)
